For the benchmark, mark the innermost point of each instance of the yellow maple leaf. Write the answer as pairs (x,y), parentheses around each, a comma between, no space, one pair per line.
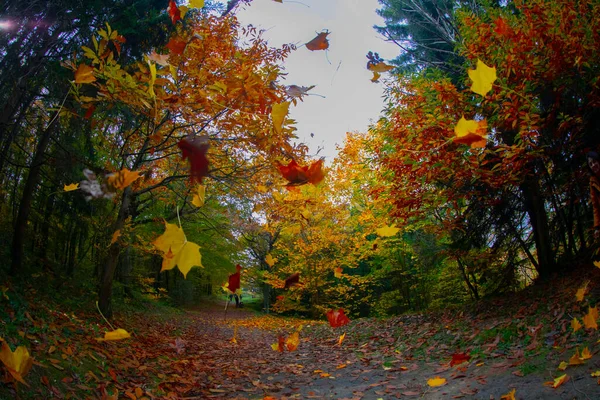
(380,67)
(589,320)
(18,363)
(581,292)
(84,74)
(337,272)
(509,396)
(585,354)
(557,381)
(597,264)
(117,334)
(471,132)
(177,251)
(576,359)
(198,198)
(270,260)
(196,3)
(71,187)
(278,114)
(123,178)
(341,339)
(387,231)
(115,236)
(483,77)
(292,342)
(437,381)
(563,365)
(575,324)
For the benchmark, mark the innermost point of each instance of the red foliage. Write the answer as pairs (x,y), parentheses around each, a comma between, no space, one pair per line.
(176,46)
(174,12)
(195,149)
(337,318)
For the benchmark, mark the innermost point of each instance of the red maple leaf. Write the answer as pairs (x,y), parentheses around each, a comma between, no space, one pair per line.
(292,280)
(234,280)
(173,11)
(195,149)
(298,175)
(459,358)
(176,46)
(337,318)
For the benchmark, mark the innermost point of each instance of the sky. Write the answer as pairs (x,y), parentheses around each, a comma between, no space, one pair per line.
(351,101)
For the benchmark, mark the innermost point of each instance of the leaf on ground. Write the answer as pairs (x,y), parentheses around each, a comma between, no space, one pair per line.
(581,292)
(280,345)
(557,381)
(590,319)
(459,358)
(437,381)
(585,354)
(292,342)
(509,396)
(575,324)
(563,365)
(117,334)
(576,359)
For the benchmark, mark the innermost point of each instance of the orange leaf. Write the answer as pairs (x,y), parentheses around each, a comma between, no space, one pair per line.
(337,272)
(589,320)
(117,334)
(293,341)
(337,318)
(380,67)
(459,358)
(122,179)
(115,236)
(471,132)
(437,381)
(581,292)
(585,354)
(176,46)
(558,381)
(576,325)
(319,43)
(509,396)
(71,187)
(84,74)
(576,359)
(341,339)
(280,345)
(298,175)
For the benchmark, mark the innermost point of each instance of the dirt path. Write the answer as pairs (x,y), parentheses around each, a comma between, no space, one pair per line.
(320,369)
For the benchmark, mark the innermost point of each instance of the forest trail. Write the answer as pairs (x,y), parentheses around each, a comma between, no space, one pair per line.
(483,351)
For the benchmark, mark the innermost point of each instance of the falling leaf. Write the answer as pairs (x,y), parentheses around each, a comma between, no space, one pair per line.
(581,292)
(173,11)
(292,280)
(337,272)
(115,236)
(509,396)
(182,11)
(196,3)
(122,179)
(437,381)
(298,175)
(194,149)
(337,318)
(176,46)
(563,365)
(294,91)
(117,334)
(483,77)
(71,187)
(234,280)
(280,345)
(293,341)
(557,381)
(18,363)
(152,67)
(177,251)
(471,132)
(576,325)
(589,320)
(341,339)
(459,358)
(576,359)
(387,231)
(270,260)
(319,43)
(597,264)
(380,67)
(376,76)
(278,114)
(198,198)
(160,59)
(84,74)
(585,354)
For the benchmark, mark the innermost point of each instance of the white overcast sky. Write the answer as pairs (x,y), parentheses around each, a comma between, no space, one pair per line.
(351,100)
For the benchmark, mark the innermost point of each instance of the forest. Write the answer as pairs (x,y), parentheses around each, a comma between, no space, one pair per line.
(148,163)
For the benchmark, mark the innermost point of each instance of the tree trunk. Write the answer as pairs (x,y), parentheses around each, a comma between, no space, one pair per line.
(108,273)
(534,205)
(27,197)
